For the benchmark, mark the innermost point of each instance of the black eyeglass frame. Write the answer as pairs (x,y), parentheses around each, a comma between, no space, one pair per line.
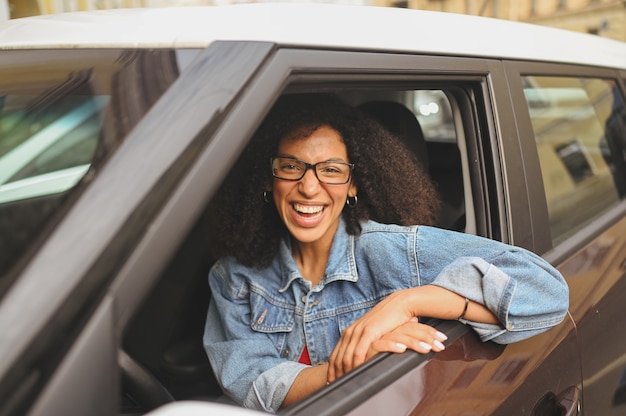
(312,166)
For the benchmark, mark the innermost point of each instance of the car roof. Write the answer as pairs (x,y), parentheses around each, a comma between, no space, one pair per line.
(313,26)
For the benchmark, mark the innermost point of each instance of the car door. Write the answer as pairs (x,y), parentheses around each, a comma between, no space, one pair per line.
(543,371)
(573,119)
(478,164)
(60,316)
(539,375)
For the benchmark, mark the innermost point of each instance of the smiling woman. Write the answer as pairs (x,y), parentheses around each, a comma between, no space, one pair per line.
(310,208)
(335,268)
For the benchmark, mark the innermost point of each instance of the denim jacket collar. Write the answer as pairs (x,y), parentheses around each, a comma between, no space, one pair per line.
(341,261)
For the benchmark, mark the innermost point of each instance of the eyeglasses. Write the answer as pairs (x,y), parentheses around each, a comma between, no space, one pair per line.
(329,172)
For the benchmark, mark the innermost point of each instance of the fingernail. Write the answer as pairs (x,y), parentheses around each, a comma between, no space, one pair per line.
(426,346)
(441,336)
(439,345)
(401,347)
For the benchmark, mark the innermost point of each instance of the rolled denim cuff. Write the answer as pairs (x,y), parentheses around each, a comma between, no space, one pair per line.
(499,335)
(482,283)
(520,314)
(269,389)
(479,281)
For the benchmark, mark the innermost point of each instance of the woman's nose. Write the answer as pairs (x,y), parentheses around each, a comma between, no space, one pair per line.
(309,184)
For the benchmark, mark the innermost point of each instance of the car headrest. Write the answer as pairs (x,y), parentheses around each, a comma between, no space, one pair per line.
(400,121)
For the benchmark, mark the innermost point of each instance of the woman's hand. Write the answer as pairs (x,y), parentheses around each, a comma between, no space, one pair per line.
(412,335)
(364,337)
(355,342)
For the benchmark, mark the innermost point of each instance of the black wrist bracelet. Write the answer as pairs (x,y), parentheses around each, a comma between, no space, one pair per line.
(464,309)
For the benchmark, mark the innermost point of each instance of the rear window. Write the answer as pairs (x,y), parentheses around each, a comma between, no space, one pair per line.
(580,132)
(62,114)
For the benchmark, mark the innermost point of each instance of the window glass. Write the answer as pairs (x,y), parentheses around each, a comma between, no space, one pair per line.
(579,131)
(60,114)
(46,151)
(434,113)
(445,154)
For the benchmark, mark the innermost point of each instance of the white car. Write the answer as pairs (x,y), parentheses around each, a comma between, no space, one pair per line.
(117,127)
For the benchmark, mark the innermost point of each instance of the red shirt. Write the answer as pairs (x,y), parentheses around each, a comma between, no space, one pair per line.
(304,358)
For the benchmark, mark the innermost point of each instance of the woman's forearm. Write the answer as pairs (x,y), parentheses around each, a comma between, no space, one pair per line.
(397,309)
(437,302)
(308,381)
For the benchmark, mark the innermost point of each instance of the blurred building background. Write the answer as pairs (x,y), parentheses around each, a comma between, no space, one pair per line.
(600,17)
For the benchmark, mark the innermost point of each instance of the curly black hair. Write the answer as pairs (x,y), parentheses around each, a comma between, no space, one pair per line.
(392,186)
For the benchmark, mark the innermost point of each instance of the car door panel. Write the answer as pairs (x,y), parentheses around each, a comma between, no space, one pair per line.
(86,381)
(596,275)
(468,376)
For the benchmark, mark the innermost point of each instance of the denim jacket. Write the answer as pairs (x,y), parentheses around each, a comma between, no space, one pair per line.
(260,320)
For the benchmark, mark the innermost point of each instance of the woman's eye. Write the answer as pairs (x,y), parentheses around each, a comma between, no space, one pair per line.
(332,169)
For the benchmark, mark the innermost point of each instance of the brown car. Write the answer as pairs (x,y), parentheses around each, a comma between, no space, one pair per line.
(117,127)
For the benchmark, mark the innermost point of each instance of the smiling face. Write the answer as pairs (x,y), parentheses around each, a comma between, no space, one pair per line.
(311,209)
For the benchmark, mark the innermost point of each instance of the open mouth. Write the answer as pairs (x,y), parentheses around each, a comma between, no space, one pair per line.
(308,210)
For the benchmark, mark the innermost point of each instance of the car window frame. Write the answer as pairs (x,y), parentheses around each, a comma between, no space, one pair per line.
(287,65)
(309,68)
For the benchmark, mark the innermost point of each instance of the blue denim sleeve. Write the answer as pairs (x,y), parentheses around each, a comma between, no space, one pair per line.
(525,292)
(246,363)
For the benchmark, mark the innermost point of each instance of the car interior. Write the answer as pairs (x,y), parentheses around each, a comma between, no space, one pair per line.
(162,358)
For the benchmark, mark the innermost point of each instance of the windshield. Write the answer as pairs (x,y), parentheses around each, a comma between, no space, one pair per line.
(62,113)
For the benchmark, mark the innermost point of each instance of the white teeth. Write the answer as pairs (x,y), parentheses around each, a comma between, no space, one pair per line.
(307,209)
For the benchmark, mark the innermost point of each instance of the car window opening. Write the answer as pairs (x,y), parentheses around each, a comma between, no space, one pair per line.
(167,345)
